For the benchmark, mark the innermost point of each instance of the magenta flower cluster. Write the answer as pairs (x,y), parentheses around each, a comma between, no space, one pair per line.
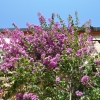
(41,18)
(30,96)
(51,62)
(19,96)
(32,46)
(47,43)
(85,80)
(57,79)
(42,44)
(79,93)
(27,96)
(97,61)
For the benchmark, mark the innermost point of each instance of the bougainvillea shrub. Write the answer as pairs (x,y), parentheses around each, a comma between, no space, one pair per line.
(54,62)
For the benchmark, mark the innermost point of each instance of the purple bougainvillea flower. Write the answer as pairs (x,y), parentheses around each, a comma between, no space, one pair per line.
(31,59)
(30,96)
(85,80)
(68,50)
(97,62)
(57,79)
(80,68)
(19,96)
(46,60)
(52,64)
(97,74)
(79,93)
(56,68)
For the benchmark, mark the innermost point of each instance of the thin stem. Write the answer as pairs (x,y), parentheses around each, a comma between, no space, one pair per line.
(71,83)
(70,89)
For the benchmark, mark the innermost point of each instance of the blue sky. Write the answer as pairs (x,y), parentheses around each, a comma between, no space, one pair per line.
(22,11)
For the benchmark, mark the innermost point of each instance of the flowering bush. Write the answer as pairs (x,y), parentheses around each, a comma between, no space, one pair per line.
(28,96)
(54,62)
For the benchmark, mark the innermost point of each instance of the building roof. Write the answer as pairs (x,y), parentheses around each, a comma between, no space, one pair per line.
(94,30)
(22,29)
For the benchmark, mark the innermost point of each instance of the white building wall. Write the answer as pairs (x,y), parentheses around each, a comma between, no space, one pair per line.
(97,44)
